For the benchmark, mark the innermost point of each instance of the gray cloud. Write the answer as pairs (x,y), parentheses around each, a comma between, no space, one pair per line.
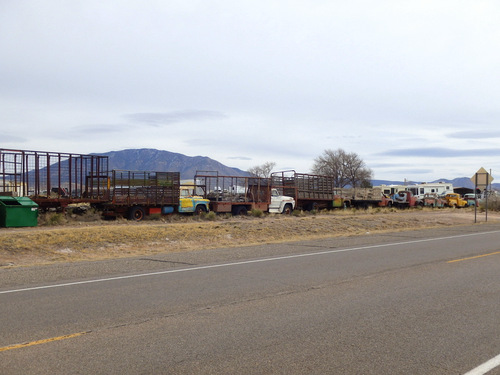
(413,171)
(384,165)
(239,158)
(441,152)
(6,138)
(100,128)
(158,119)
(475,134)
(92,132)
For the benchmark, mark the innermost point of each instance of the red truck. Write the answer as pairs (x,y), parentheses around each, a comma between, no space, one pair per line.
(405,199)
(433,200)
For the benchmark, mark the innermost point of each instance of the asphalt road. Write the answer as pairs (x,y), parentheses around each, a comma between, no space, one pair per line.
(422,302)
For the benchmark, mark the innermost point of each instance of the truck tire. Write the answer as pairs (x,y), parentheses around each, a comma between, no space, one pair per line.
(200,209)
(136,213)
(313,206)
(288,209)
(240,211)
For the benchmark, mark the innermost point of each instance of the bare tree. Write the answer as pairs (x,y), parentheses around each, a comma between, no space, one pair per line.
(263,170)
(345,168)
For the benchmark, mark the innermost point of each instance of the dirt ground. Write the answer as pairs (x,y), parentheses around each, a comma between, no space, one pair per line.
(81,240)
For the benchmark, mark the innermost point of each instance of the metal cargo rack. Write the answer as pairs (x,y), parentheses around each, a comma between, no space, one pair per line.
(54,179)
(129,188)
(305,186)
(227,192)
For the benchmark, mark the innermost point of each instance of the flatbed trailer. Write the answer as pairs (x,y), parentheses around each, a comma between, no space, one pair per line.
(239,195)
(54,179)
(311,192)
(135,194)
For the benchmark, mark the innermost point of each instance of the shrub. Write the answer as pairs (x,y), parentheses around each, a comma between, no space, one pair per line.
(256,212)
(51,218)
(210,216)
(87,214)
(493,204)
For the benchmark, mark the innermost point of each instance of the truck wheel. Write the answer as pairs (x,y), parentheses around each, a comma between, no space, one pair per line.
(312,206)
(200,209)
(240,211)
(136,213)
(287,210)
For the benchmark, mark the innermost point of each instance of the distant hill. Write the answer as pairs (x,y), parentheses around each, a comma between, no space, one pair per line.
(147,159)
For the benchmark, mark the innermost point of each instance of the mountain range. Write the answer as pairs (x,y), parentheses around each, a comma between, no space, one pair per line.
(147,159)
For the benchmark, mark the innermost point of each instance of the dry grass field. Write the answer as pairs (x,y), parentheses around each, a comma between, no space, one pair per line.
(72,238)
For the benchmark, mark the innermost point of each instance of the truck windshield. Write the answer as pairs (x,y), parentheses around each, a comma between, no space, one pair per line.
(186,193)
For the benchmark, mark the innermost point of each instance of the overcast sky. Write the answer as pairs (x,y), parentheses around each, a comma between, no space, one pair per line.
(412,87)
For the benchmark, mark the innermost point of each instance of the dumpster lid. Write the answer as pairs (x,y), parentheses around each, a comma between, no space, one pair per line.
(16,201)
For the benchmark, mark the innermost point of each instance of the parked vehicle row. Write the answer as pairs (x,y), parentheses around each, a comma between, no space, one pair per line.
(57,180)
(440,194)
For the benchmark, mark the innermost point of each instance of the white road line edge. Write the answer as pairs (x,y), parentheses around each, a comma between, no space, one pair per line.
(241,263)
(485,367)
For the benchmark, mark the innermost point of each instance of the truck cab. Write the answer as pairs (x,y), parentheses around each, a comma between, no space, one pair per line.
(404,199)
(281,204)
(433,200)
(454,200)
(471,198)
(189,202)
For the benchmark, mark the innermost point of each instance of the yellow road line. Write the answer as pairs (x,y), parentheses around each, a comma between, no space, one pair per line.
(477,256)
(39,342)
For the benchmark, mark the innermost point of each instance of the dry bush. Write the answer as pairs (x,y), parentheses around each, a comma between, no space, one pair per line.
(256,213)
(493,204)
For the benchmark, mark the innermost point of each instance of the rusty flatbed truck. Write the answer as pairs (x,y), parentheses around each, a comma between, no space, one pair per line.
(54,180)
(135,194)
(57,180)
(239,195)
(311,192)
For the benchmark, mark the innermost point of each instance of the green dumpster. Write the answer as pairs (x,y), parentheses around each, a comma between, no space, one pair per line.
(18,212)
